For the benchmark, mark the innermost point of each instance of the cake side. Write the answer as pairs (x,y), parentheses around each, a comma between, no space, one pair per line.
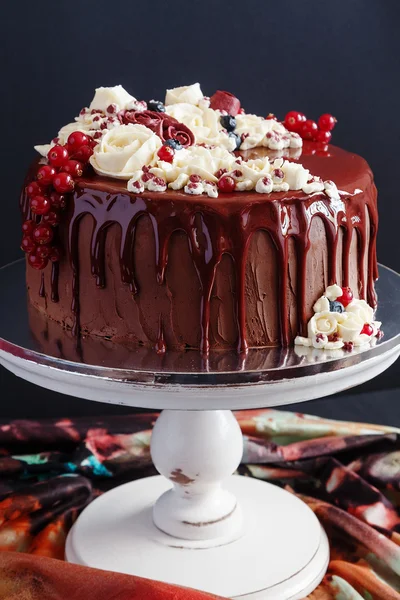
(240,271)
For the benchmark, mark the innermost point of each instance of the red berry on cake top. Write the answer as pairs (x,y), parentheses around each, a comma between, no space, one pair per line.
(40,205)
(226,184)
(45,175)
(63,182)
(166,153)
(76,140)
(326,122)
(308,129)
(58,156)
(293,120)
(346,297)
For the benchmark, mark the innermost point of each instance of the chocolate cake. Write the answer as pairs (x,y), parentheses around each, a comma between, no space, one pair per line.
(155,248)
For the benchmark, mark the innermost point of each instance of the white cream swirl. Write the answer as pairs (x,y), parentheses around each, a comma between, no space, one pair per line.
(195,160)
(190,94)
(323,322)
(362,310)
(350,327)
(204,123)
(125,149)
(107,96)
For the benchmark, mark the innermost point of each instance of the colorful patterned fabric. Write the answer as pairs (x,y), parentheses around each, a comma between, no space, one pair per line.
(348,473)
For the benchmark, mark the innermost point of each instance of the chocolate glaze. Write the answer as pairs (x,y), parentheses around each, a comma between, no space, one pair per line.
(230,240)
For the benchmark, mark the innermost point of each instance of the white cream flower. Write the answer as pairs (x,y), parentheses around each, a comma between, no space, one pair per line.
(362,310)
(190,94)
(204,123)
(254,129)
(195,160)
(323,322)
(123,150)
(350,327)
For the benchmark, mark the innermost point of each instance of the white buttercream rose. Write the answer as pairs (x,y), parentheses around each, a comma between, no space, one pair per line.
(190,94)
(125,149)
(323,322)
(350,327)
(362,310)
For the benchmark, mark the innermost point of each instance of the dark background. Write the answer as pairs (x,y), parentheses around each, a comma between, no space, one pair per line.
(340,57)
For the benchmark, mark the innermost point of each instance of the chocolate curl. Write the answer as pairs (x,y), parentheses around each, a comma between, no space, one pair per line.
(151,119)
(163,125)
(172,129)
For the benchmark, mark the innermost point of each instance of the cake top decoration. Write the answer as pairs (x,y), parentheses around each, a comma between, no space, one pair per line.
(188,143)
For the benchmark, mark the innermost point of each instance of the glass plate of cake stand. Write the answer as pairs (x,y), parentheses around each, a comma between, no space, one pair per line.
(196,524)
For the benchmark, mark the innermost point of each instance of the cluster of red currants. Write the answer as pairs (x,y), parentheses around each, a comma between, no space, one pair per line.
(309,129)
(48,197)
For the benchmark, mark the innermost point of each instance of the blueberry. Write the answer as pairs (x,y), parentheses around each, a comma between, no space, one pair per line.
(237,138)
(173,143)
(228,122)
(156,106)
(335,306)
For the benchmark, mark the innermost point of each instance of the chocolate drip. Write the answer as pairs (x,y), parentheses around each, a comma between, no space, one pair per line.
(42,289)
(215,227)
(55,273)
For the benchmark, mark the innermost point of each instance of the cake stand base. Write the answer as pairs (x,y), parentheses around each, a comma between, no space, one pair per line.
(283,553)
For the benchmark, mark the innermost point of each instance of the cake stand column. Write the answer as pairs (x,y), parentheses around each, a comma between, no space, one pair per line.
(198,451)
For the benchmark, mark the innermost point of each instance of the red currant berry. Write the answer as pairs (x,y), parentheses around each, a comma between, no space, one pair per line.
(27,244)
(58,201)
(326,122)
(271,117)
(74,168)
(323,136)
(226,184)
(63,182)
(36,262)
(40,205)
(367,329)
(52,218)
(293,120)
(76,140)
(83,154)
(28,227)
(308,129)
(55,254)
(43,234)
(58,156)
(346,297)
(43,251)
(166,153)
(45,175)
(34,189)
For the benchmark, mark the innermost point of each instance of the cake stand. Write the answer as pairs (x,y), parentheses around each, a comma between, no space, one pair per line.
(197,525)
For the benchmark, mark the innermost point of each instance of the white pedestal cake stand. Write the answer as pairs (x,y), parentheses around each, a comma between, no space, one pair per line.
(198,526)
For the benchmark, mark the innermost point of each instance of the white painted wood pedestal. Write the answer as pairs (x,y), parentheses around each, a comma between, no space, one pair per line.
(196,524)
